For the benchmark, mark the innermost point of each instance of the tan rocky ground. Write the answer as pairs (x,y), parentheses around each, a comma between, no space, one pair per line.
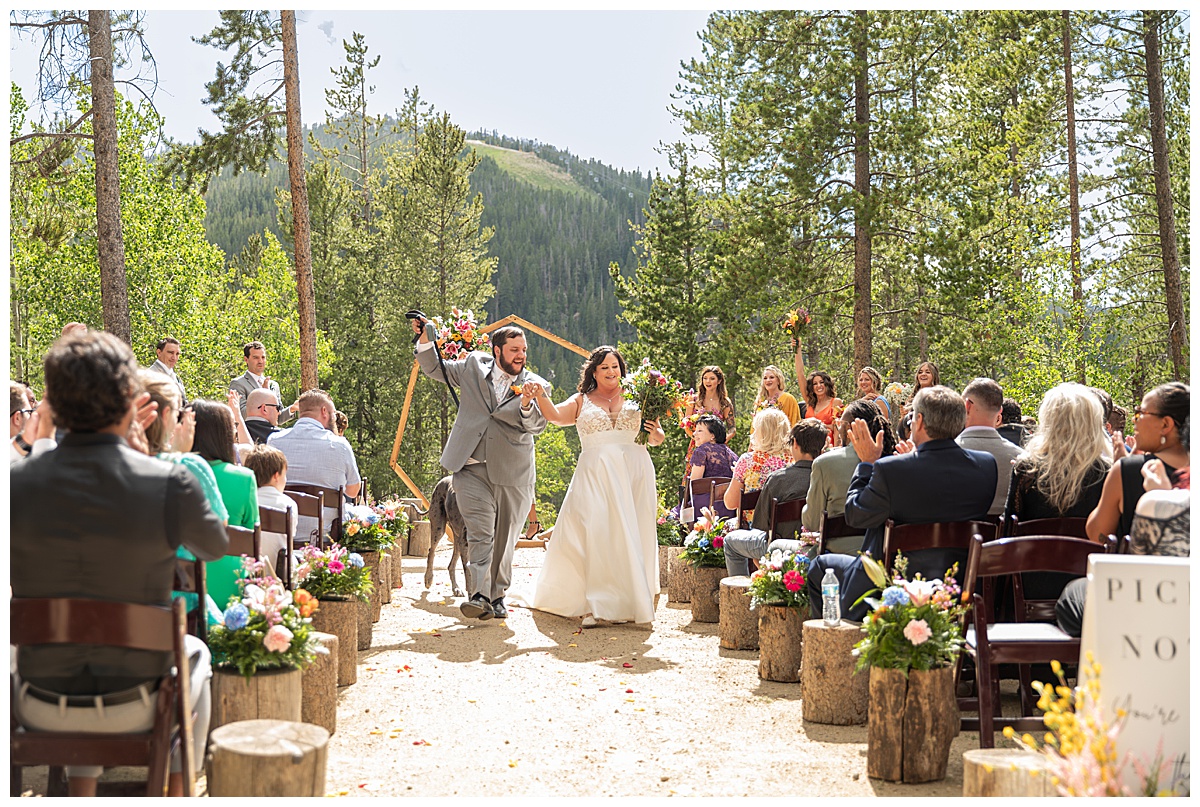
(536,706)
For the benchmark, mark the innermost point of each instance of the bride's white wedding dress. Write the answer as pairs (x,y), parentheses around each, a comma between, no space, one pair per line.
(603,556)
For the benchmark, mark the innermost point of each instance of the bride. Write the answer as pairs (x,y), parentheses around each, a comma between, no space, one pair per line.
(603,560)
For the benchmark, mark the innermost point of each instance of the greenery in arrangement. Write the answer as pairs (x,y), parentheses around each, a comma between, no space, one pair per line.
(1080,743)
(267,627)
(655,393)
(333,573)
(704,545)
(394,519)
(779,580)
(363,529)
(914,624)
(670,531)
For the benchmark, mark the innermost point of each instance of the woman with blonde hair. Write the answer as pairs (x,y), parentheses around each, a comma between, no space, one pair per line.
(870,388)
(768,452)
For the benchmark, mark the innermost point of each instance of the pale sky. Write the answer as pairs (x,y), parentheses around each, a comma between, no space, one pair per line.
(595,82)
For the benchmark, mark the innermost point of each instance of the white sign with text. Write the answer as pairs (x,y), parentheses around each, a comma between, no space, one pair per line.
(1136,625)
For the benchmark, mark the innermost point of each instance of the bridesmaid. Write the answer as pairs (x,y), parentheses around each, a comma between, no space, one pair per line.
(711,399)
(819,393)
(927,376)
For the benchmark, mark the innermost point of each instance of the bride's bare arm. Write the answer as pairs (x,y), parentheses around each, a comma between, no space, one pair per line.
(562,415)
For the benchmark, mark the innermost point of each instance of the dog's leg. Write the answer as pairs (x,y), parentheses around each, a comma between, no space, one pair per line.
(437,524)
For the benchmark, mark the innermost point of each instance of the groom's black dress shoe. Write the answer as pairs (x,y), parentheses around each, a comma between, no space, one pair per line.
(499,609)
(478,607)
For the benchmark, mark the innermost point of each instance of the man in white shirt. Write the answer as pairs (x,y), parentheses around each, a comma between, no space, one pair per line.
(27,422)
(169,350)
(317,456)
(255,377)
(985,401)
(270,471)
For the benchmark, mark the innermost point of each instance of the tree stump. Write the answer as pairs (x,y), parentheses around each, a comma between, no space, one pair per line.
(385,576)
(419,539)
(318,685)
(365,625)
(739,625)
(397,554)
(1006,772)
(267,758)
(269,695)
(910,725)
(340,617)
(680,576)
(780,643)
(706,593)
(371,561)
(830,691)
(664,561)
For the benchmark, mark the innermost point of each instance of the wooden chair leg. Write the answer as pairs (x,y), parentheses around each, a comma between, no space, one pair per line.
(1025,677)
(56,782)
(983,681)
(14,780)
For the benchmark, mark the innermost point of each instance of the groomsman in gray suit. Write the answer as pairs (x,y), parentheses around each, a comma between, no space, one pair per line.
(255,377)
(490,453)
(168,351)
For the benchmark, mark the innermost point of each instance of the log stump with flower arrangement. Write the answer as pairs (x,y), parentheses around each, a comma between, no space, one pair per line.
(267,758)
(706,593)
(910,724)
(1006,772)
(382,575)
(780,643)
(419,539)
(830,691)
(340,617)
(680,577)
(664,561)
(371,562)
(739,624)
(318,685)
(365,623)
(272,694)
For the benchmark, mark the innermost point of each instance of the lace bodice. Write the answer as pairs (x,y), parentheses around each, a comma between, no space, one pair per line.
(593,420)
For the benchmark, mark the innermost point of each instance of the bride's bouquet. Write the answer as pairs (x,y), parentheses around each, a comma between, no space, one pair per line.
(459,334)
(655,393)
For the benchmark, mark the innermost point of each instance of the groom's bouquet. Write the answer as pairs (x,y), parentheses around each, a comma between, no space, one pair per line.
(655,393)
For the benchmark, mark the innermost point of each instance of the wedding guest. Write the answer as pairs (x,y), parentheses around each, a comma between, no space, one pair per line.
(270,472)
(168,351)
(214,442)
(927,375)
(805,442)
(1157,423)
(768,452)
(1116,421)
(73,328)
(255,377)
(712,457)
(1011,428)
(984,399)
(818,391)
(340,423)
(19,411)
(833,470)
(712,399)
(262,415)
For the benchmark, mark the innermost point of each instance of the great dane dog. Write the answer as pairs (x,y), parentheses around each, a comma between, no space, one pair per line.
(442,513)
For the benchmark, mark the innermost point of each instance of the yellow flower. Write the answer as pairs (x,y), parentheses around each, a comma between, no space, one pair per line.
(352,528)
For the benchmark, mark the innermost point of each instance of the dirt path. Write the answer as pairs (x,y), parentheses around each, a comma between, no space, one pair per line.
(534,706)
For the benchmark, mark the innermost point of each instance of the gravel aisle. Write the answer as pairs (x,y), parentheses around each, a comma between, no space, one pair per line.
(534,706)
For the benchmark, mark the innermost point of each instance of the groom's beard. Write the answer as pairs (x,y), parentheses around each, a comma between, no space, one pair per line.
(508,368)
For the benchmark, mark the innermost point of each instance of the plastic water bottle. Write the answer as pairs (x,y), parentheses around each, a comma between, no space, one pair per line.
(831,603)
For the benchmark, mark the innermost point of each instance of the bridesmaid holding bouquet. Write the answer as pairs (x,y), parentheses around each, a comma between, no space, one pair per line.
(710,398)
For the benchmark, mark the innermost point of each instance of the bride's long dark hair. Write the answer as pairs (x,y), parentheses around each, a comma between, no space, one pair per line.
(587,375)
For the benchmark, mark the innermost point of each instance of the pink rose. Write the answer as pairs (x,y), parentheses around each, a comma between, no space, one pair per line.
(278,639)
(917,632)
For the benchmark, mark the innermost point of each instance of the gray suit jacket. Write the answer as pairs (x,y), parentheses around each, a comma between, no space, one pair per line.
(505,431)
(245,384)
(159,367)
(982,438)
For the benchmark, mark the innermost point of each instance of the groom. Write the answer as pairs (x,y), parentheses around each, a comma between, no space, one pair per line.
(490,453)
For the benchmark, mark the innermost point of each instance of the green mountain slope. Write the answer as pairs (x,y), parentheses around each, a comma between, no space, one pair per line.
(528,167)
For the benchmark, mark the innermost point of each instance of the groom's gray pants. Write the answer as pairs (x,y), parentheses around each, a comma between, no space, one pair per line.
(493,515)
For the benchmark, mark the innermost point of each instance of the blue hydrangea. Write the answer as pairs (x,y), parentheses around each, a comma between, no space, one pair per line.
(236,616)
(355,560)
(894,595)
(704,543)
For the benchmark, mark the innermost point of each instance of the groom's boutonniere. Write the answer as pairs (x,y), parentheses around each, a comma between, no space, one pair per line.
(517,389)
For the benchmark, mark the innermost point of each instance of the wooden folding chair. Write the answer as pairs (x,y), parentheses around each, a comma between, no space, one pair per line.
(271,519)
(1065,527)
(313,506)
(700,494)
(746,505)
(189,578)
(1022,643)
(909,538)
(43,621)
(243,541)
(334,497)
(835,527)
(780,513)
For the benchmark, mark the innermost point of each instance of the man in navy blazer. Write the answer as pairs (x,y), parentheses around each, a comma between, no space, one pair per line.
(930,479)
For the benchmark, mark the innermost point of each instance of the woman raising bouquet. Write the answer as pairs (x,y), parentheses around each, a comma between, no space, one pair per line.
(603,561)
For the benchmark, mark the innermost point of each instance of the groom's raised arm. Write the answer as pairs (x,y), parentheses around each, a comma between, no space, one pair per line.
(427,357)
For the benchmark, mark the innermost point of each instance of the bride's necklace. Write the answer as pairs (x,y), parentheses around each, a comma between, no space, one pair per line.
(610,398)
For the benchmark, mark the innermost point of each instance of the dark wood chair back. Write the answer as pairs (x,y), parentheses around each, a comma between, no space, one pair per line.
(189,578)
(746,505)
(700,491)
(782,512)
(43,621)
(834,527)
(909,538)
(1069,527)
(243,541)
(334,497)
(313,506)
(271,519)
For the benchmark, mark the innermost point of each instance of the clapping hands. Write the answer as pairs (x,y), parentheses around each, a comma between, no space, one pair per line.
(868,449)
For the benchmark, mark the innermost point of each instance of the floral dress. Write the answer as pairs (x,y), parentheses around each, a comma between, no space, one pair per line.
(752,467)
(726,415)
